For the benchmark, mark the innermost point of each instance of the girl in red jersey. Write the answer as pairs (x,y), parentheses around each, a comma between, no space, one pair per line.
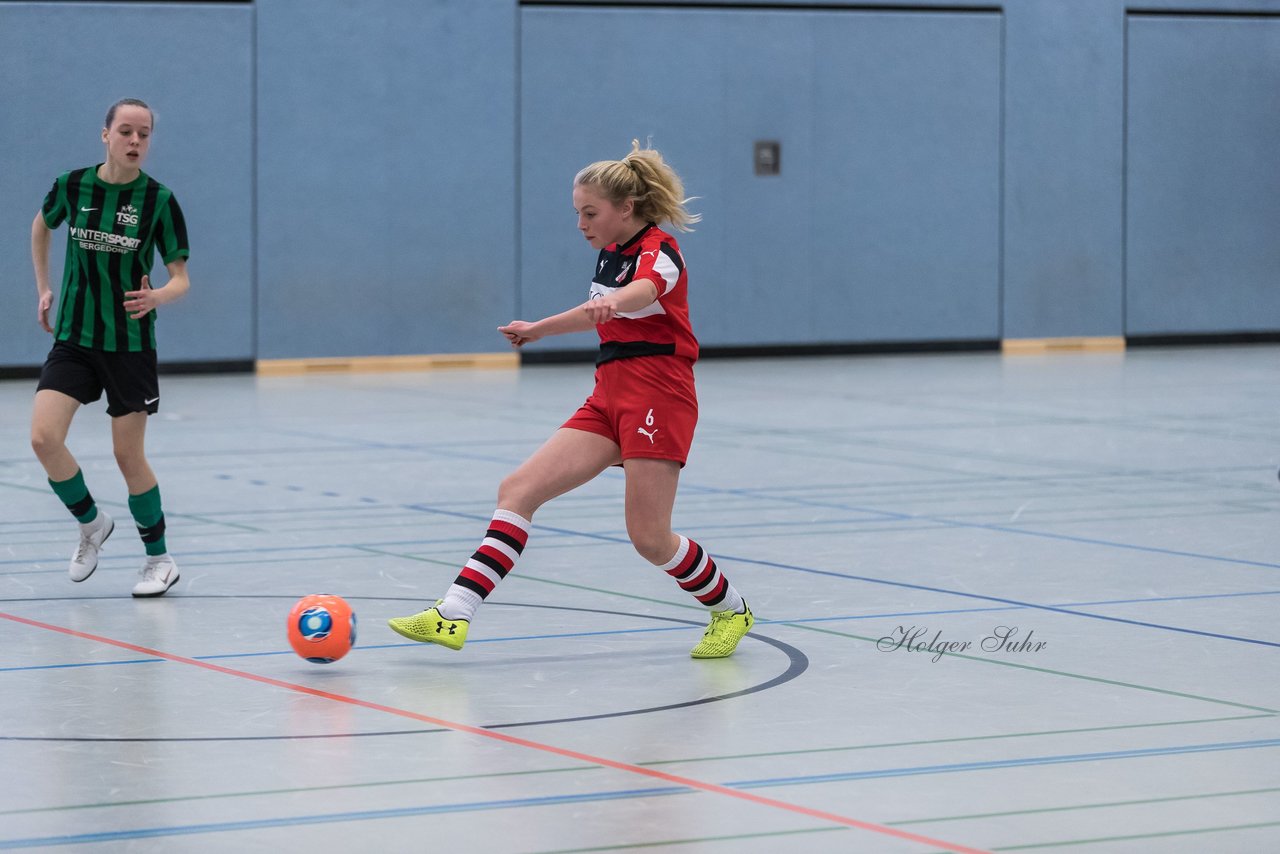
(641,414)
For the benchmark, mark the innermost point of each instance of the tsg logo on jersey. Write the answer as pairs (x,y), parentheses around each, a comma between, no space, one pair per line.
(127,215)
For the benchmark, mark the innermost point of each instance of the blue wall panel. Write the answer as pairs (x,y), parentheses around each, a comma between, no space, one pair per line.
(1203,178)
(884,223)
(386,176)
(193,65)
(1064,126)
(394,177)
(906,178)
(580,104)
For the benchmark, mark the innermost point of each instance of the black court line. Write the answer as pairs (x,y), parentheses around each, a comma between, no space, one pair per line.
(797,664)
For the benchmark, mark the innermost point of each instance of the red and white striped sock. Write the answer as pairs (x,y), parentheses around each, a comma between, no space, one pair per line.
(503,543)
(695,571)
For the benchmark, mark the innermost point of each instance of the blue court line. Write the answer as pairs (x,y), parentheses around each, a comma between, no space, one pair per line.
(406,644)
(1004,763)
(356,548)
(323,547)
(264,550)
(424,508)
(626,794)
(903,584)
(1003,601)
(1004,529)
(868,515)
(884,514)
(80,664)
(330,818)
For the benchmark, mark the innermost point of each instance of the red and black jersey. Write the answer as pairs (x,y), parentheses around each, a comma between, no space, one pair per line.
(660,328)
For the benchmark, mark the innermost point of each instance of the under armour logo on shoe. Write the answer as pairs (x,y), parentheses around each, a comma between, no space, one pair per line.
(440,627)
(647,434)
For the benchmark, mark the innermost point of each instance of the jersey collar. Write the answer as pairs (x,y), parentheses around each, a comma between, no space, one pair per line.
(623,247)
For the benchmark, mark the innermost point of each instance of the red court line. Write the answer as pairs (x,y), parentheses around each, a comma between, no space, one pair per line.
(511,739)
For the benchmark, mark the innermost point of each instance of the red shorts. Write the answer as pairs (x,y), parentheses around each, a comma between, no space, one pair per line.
(646,404)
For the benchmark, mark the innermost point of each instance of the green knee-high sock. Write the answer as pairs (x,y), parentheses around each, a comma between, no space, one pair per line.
(150,520)
(76,496)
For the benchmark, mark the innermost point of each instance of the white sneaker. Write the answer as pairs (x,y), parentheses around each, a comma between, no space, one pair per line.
(92,536)
(159,573)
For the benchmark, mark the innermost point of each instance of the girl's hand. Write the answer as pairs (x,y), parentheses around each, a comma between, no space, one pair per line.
(141,301)
(42,311)
(600,309)
(519,332)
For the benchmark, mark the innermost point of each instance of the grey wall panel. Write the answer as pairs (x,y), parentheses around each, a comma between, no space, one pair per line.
(386,176)
(1203,178)
(63,65)
(884,223)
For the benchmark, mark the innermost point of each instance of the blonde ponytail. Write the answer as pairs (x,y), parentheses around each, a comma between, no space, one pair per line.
(645,178)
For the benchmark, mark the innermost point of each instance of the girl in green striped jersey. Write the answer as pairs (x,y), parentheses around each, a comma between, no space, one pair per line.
(117,217)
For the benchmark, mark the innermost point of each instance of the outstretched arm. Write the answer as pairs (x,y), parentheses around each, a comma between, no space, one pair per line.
(633,297)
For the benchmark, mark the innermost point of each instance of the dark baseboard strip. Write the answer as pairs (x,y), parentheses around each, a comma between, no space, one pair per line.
(1167,11)
(556,357)
(868,348)
(232,366)
(1208,338)
(766,5)
(871,348)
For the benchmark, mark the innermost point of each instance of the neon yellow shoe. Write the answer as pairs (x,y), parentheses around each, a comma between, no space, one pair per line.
(722,635)
(429,627)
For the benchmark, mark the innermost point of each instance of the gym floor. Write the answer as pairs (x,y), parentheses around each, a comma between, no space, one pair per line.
(1005,603)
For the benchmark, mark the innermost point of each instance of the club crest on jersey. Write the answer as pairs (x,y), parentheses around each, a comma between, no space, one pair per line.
(623,273)
(127,215)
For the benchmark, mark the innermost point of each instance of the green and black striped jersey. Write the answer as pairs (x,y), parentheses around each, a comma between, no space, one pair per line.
(114,232)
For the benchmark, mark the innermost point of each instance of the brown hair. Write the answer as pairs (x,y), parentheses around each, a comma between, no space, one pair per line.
(127,102)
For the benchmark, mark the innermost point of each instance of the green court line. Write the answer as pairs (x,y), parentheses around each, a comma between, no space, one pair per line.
(809,628)
(692,841)
(389,524)
(1166,833)
(569,541)
(1265,713)
(201,563)
(1050,671)
(1102,805)
(220,524)
(694,759)
(524,576)
(118,506)
(295,790)
(633,596)
(387,553)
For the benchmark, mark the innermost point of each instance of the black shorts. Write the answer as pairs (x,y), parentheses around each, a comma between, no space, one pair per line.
(130,380)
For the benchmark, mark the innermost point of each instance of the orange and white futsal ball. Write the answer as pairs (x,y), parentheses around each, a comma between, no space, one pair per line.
(322,628)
